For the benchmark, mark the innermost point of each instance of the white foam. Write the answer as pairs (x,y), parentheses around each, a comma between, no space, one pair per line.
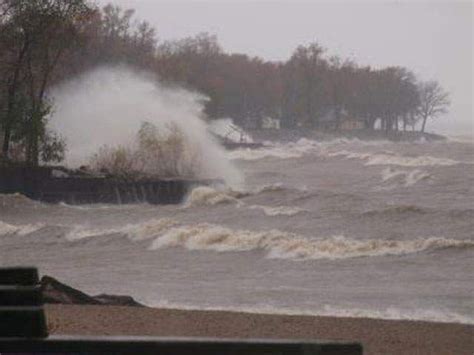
(408,177)
(415,176)
(276,150)
(6,229)
(391,313)
(393,159)
(278,244)
(384,159)
(468,139)
(209,196)
(328,149)
(140,231)
(279,210)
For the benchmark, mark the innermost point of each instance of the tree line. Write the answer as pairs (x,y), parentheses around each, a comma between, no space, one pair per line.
(45,42)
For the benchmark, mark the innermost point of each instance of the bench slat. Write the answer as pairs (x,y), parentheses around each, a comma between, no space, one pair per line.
(20,296)
(27,322)
(24,276)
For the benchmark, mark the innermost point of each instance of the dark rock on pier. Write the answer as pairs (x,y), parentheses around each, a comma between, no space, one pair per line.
(58,293)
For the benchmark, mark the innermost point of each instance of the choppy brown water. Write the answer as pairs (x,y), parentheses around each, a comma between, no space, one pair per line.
(343,227)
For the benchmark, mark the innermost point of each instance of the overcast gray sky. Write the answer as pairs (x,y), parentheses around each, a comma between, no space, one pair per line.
(434,39)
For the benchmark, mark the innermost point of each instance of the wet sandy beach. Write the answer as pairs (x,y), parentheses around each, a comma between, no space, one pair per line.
(377,336)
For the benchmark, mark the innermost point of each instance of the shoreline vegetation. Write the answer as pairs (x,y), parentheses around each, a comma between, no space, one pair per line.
(46,44)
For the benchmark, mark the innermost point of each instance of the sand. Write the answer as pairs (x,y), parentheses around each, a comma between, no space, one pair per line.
(377,336)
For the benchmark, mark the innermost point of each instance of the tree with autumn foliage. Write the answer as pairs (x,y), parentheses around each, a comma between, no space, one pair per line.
(34,35)
(45,42)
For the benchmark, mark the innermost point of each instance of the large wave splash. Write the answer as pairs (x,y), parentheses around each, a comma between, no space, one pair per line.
(108,106)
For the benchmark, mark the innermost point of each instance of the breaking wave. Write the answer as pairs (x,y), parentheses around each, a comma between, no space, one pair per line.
(279,211)
(397,211)
(291,149)
(393,159)
(407,177)
(209,196)
(17,200)
(285,151)
(329,149)
(282,245)
(141,231)
(9,229)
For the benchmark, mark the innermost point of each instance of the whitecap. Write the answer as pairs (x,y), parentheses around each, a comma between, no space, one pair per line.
(283,245)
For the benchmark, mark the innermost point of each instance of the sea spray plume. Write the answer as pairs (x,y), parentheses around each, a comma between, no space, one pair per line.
(107,106)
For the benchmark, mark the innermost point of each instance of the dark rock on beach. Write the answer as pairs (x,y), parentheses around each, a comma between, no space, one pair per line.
(56,292)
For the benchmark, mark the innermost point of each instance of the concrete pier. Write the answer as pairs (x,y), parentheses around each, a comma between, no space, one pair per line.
(50,184)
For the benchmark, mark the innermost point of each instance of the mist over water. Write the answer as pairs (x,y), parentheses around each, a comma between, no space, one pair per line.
(106,107)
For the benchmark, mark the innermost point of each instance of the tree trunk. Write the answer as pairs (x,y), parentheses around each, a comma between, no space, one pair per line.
(423,124)
(6,139)
(12,93)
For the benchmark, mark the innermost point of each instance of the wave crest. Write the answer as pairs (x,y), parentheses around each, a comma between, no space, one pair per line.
(284,245)
(279,210)
(141,231)
(208,196)
(8,229)
(393,159)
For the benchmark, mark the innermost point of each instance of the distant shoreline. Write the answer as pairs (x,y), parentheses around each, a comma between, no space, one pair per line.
(294,134)
(378,336)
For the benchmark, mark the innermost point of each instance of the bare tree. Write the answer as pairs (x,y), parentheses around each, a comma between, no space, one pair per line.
(434,101)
